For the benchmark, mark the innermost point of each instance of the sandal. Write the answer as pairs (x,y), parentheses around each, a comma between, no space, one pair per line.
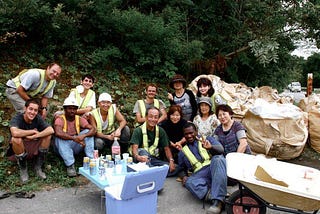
(24,194)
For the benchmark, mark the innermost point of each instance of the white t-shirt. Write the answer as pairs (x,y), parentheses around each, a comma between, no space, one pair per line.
(92,101)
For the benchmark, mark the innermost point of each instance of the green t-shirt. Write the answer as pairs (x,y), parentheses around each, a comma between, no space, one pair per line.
(137,137)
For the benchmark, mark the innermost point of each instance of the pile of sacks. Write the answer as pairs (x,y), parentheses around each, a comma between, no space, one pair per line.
(311,105)
(275,127)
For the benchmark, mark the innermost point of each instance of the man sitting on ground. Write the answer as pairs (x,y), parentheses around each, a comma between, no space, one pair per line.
(148,138)
(73,134)
(104,119)
(29,130)
(204,158)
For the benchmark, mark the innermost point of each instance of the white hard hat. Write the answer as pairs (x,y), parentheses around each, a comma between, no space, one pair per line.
(105,97)
(70,101)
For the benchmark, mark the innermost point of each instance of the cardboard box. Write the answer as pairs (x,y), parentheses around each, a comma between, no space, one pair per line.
(263,175)
(138,193)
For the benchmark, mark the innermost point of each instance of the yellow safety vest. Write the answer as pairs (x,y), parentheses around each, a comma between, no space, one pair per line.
(65,126)
(96,115)
(143,109)
(196,164)
(86,100)
(32,93)
(154,146)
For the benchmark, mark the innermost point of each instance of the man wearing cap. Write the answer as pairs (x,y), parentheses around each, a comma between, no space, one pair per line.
(141,106)
(73,134)
(30,135)
(37,83)
(104,119)
(183,97)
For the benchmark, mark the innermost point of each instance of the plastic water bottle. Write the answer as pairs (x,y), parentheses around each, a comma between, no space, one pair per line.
(118,165)
(115,148)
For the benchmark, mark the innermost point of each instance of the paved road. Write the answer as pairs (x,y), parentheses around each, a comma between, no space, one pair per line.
(87,200)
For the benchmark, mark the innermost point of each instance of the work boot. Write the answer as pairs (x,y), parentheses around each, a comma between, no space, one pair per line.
(215,208)
(39,162)
(22,162)
(71,171)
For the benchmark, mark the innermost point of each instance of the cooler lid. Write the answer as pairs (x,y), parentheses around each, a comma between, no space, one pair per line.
(144,182)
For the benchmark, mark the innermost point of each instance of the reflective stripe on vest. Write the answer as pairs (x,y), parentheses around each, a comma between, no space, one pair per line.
(196,164)
(97,117)
(65,126)
(143,109)
(153,147)
(85,101)
(42,73)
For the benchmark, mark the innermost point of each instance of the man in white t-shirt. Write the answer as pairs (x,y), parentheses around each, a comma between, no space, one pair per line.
(84,95)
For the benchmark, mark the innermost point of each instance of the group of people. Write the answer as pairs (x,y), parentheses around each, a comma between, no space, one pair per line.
(192,137)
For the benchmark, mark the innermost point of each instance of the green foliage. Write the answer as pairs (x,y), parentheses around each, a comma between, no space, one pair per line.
(312,65)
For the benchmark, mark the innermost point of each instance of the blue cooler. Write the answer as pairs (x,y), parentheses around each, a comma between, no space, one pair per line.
(138,193)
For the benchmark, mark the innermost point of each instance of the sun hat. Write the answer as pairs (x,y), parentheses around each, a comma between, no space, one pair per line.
(206,100)
(70,101)
(105,97)
(178,78)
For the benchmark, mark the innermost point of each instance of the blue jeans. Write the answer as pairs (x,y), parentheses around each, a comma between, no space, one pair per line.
(68,148)
(154,161)
(213,176)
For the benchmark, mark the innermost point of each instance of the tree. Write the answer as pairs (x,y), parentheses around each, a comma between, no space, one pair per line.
(312,65)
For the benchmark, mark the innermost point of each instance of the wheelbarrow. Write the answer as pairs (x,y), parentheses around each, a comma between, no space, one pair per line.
(269,183)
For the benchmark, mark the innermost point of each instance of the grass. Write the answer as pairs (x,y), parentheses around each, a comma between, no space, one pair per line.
(54,168)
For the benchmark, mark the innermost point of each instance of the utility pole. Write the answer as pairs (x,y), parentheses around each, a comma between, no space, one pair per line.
(309,84)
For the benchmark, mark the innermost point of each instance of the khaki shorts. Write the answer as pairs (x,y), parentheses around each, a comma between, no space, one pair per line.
(15,99)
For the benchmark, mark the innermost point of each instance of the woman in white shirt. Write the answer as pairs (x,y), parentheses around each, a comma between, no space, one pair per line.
(206,121)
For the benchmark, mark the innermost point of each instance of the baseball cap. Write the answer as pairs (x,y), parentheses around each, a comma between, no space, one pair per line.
(206,100)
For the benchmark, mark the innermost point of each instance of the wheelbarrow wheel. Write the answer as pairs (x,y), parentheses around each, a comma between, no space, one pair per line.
(249,204)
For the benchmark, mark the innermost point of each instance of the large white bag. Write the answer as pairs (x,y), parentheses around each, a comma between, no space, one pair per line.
(277,130)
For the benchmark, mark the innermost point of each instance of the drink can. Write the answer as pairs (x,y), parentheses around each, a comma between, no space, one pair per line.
(93,168)
(108,157)
(129,160)
(95,154)
(86,163)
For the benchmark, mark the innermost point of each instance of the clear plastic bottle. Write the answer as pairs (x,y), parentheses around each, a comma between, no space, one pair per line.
(115,148)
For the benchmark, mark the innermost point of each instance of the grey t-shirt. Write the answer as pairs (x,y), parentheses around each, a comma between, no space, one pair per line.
(136,107)
(30,80)
(184,102)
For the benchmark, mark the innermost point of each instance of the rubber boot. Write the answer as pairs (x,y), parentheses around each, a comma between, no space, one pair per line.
(22,162)
(39,162)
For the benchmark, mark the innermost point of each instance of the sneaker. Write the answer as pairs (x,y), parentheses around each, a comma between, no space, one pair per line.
(71,171)
(215,208)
